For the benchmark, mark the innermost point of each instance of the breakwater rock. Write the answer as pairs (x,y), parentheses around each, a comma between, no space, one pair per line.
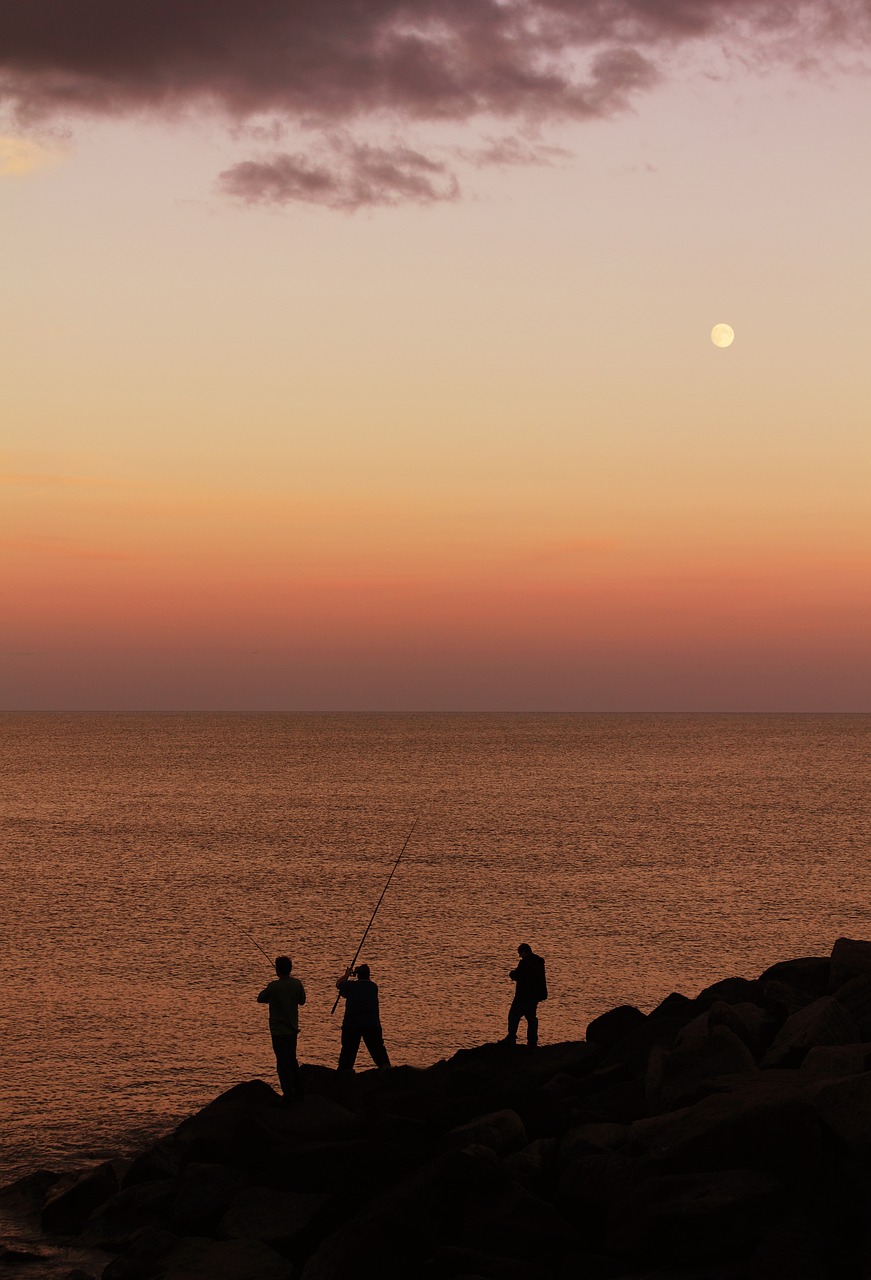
(717,1137)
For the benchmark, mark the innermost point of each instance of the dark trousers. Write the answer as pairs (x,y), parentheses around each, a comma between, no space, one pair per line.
(373,1039)
(523,1008)
(286,1064)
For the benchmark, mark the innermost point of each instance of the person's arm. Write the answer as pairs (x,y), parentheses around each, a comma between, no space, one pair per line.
(513,975)
(263,998)
(301,997)
(344,978)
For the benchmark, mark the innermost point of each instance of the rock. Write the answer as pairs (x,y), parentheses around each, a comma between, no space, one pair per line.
(620,1103)
(792,1248)
(854,997)
(850,958)
(153,1165)
(591,1182)
(142,1250)
(276,1217)
(751,1023)
(227,1130)
(317,1120)
(389,1235)
(685,1073)
(627,1059)
(610,1028)
(585,1138)
(729,991)
(457,1263)
(704,1215)
(761,1124)
(781,1000)
(809,975)
(511,1221)
(195,1258)
(529,1165)
(837,1060)
(675,1005)
(501,1131)
(844,1107)
(204,1196)
(71,1202)
(147,1204)
(823,1022)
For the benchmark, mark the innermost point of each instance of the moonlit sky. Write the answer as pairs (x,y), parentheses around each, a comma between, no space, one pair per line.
(359,359)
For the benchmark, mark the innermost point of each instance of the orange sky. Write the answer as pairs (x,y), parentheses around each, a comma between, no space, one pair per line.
(479,454)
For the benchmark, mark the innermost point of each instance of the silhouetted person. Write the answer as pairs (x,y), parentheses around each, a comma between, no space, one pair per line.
(530,987)
(362,1020)
(284,995)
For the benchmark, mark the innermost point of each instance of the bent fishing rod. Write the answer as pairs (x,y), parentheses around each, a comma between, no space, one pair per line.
(380,900)
(250,939)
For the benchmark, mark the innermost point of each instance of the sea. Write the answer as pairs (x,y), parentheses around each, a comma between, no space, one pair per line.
(151,866)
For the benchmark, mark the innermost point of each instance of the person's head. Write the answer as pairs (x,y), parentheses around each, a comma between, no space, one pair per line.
(363,971)
(283,966)
(524,949)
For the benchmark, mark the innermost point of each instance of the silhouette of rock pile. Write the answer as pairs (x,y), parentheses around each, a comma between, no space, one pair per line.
(718,1137)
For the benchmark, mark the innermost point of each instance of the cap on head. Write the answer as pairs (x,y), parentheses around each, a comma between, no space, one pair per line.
(363,971)
(524,949)
(283,966)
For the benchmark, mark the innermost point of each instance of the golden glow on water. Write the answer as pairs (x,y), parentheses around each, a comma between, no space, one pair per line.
(635,852)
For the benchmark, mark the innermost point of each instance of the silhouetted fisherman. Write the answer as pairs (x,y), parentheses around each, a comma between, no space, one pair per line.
(284,995)
(530,987)
(362,1020)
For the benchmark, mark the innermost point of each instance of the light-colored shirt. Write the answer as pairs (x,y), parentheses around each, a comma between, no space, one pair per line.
(284,996)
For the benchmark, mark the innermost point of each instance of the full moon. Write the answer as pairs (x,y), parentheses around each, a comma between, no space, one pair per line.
(722,335)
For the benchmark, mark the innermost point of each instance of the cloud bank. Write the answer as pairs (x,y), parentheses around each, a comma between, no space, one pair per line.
(331,64)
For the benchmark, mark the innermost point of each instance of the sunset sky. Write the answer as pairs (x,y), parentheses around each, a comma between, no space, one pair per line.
(357,357)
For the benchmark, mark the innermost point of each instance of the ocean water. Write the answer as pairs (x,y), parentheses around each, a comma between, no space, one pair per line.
(140,855)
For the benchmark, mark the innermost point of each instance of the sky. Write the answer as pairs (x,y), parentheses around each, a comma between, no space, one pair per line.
(358,358)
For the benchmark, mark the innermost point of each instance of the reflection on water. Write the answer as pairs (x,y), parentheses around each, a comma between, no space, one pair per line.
(634,852)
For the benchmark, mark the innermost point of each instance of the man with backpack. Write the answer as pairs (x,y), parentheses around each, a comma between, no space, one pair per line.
(530,987)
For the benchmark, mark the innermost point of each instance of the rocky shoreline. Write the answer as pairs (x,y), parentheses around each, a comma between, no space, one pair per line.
(721,1137)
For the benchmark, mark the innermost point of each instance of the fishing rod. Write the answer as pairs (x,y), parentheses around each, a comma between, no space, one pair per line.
(250,939)
(380,900)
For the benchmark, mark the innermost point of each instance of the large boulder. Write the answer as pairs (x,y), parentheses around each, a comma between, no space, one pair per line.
(825,1021)
(204,1195)
(729,991)
(532,1163)
(128,1212)
(610,1028)
(704,1215)
(767,1125)
(850,958)
(388,1235)
(686,1072)
(502,1132)
(229,1130)
(198,1258)
(754,1025)
(854,997)
(278,1218)
(809,976)
(72,1200)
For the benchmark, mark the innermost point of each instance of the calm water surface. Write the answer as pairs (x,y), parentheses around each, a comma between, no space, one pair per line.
(636,853)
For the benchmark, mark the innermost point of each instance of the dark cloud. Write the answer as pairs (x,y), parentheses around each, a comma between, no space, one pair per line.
(330,63)
(344,175)
(507,151)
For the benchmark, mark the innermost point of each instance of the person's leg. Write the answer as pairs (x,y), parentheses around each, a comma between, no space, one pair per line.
(295,1076)
(514,1015)
(284,1048)
(373,1038)
(532,1024)
(350,1045)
